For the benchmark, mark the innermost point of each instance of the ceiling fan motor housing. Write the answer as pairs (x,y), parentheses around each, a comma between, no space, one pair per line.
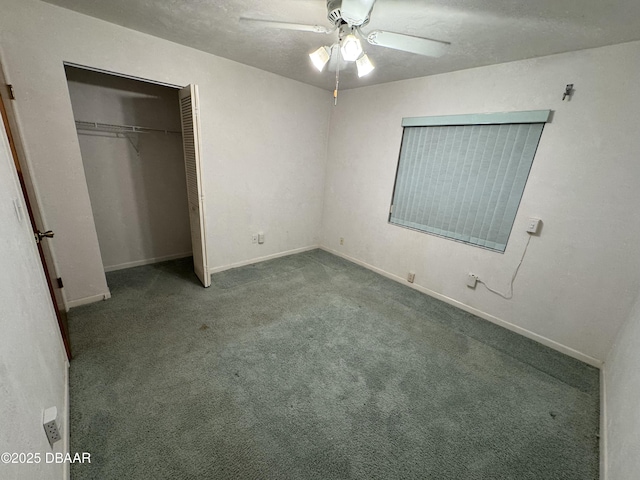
(334,9)
(334,15)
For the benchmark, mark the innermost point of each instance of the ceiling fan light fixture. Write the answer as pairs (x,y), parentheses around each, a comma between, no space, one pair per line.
(351,48)
(364,65)
(320,57)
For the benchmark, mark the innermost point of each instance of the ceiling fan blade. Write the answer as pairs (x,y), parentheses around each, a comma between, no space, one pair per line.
(288,26)
(408,43)
(356,12)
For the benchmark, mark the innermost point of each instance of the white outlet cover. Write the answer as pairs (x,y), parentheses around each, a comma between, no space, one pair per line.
(533,225)
(50,423)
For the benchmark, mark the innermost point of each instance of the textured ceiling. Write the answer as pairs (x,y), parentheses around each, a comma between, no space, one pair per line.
(482,32)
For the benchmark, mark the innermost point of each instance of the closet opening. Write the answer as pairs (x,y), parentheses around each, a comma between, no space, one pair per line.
(141,155)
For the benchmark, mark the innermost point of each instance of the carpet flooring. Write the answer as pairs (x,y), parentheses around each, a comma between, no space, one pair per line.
(311,367)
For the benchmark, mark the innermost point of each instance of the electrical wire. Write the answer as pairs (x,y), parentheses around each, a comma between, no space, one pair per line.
(509,295)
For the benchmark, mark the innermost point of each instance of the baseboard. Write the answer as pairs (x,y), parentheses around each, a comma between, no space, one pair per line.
(484,315)
(603,424)
(66,471)
(262,259)
(147,261)
(87,300)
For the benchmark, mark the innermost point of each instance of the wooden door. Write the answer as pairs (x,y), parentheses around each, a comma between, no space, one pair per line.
(190,114)
(53,281)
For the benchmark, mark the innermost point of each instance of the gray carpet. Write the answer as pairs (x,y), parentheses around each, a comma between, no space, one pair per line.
(310,367)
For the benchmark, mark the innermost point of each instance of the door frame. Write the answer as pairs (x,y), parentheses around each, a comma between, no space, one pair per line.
(206,280)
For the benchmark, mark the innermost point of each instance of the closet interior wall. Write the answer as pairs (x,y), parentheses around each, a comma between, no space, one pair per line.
(136,181)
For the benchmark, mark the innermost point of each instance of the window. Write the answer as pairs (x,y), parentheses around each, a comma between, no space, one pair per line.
(462,176)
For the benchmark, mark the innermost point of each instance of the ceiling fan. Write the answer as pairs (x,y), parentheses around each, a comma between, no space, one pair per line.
(348,17)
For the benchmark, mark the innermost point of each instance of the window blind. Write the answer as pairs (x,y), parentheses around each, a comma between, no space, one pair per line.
(464,182)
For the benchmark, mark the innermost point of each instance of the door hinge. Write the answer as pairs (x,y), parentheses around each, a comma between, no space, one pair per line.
(59,282)
(12,93)
(391,209)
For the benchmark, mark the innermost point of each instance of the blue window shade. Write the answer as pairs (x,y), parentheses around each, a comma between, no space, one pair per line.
(464,182)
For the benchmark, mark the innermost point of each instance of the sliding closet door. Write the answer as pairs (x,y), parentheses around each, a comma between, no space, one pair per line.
(191,141)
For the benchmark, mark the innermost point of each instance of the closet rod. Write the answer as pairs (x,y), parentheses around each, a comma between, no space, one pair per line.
(112,128)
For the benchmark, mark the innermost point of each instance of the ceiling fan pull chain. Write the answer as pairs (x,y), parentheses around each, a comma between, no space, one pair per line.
(335,92)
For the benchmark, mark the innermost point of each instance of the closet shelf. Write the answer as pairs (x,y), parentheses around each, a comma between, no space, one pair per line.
(112,128)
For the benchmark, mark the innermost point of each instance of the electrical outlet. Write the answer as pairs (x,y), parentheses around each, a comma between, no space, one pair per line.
(411,277)
(533,225)
(50,423)
(472,280)
(254,238)
(341,240)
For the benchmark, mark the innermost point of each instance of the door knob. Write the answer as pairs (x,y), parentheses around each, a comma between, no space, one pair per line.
(39,235)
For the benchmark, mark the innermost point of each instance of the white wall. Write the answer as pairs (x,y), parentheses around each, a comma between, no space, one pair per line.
(621,407)
(580,275)
(138,198)
(32,358)
(264,150)
(264,137)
